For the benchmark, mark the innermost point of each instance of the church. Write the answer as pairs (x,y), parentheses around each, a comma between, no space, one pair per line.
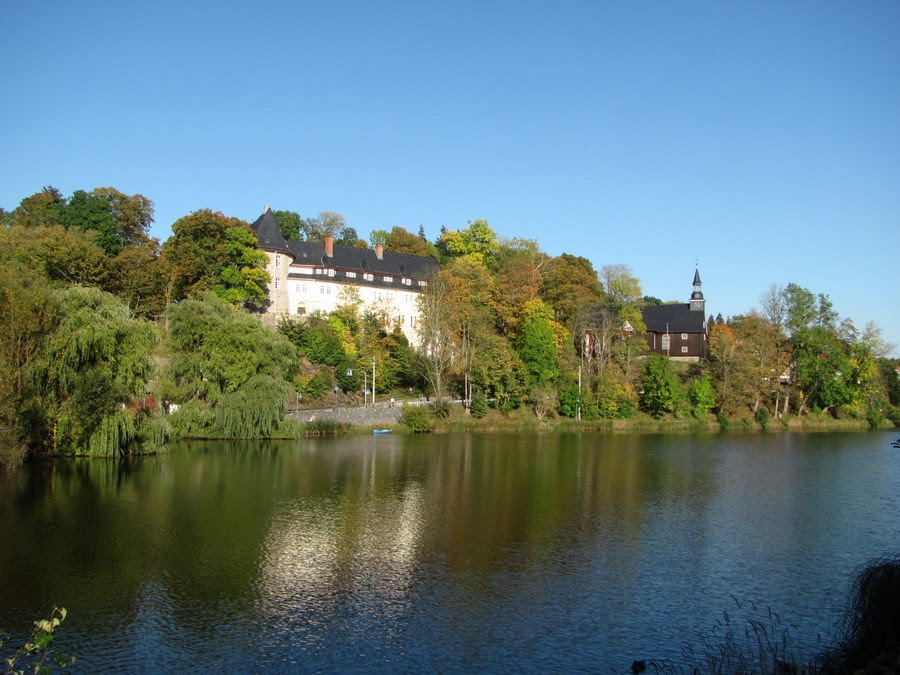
(678,330)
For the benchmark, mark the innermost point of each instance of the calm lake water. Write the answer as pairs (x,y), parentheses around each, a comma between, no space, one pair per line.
(494,552)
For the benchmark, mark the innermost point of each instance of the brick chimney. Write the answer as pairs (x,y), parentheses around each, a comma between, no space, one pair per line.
(329,247)
(379,251)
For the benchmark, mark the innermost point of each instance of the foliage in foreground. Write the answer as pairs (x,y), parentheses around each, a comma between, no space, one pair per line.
(869,640)
(37,655)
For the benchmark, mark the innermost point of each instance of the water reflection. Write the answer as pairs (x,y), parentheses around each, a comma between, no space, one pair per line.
(453,552)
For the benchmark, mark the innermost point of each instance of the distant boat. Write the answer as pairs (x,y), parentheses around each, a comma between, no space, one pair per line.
(382,431)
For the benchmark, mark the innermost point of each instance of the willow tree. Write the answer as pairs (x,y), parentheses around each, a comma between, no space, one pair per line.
(89,376)
(229,373)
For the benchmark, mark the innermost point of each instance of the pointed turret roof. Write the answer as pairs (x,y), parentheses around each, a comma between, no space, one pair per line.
(269,234)
(697,277)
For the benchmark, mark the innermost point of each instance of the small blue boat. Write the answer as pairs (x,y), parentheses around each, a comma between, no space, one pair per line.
(382,431)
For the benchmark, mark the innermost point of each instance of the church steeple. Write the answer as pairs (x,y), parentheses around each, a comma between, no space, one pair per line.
(698,304)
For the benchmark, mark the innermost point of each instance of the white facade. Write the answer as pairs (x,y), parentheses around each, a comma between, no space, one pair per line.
(300,290)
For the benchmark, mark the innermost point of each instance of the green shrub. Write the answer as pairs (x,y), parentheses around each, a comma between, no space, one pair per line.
(568,402)
(416,419)
(874,418)
(314,387)
(616,400)
(441,409)
(724,422)
(762,417)
(479,406)
(702,396)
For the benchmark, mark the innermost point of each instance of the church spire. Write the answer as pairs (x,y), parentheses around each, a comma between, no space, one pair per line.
(698,304)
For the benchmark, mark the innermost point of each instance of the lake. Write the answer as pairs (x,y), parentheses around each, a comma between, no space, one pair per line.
(457,552)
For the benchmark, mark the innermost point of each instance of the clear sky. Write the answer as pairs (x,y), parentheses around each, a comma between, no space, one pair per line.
(761,139)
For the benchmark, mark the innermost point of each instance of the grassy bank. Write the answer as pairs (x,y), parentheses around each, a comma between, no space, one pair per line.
(525,420)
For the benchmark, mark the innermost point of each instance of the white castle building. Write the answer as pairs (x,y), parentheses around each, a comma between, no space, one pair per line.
(310,276)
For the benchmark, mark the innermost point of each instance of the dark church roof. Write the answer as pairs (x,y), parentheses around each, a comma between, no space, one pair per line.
(677,318)
(269,233)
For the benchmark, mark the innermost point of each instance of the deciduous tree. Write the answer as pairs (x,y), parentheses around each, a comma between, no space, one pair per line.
(210,251)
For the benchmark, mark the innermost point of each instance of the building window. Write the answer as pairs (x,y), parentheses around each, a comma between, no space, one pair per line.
(684,336)
(276,283)
(277,260)
(321,289)
(328,290)
(684,350)
(368,277)
(351,275)
(665,343)
(317,271)
(301,310)
(331,273)
(388,280)
(423,283)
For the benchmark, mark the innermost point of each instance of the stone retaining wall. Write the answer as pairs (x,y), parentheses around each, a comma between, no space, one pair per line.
(364,417)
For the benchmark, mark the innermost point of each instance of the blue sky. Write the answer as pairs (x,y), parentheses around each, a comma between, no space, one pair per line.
(761,139)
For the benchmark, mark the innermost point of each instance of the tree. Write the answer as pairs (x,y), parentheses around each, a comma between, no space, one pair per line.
(803,309)
(95,361)
(210,251)
(702,396)
(476,242)
(118,220)
(661,389)
(725,362)
(773,306)
(764,359)
(348,237)
(291,224)
(29,316)
(821,369)
(326,224)
(623,292)
(400,240)
(41,209)
(469,317)
(537,343)
(133,215)
(500,373)
(518,280)
(435,332)
(139,280)
(569,285)
(230,373)
(92,214)
(65,256)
